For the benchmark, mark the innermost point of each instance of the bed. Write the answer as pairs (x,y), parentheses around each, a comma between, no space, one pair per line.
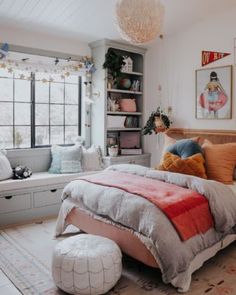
(138,245)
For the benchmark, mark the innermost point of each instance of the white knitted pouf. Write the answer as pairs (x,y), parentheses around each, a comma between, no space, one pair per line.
(86,264)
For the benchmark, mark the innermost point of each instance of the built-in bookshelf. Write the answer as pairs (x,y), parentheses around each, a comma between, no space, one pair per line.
(129,124)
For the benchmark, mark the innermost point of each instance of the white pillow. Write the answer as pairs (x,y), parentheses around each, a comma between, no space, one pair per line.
(5,166)
(92,158)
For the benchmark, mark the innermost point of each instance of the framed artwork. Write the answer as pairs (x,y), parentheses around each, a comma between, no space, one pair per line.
(214,93)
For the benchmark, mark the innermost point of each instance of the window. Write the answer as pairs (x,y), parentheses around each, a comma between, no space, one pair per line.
(38,109)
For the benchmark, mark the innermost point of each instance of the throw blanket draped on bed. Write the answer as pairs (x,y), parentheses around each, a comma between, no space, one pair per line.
(149,223)
(186,209)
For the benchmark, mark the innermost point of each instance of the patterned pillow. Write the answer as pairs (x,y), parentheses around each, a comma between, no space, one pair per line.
(66,159)
(193,165)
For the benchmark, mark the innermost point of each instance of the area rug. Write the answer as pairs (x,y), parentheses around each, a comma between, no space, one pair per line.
(26,253)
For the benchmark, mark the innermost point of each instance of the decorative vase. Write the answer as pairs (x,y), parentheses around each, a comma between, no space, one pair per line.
(125,84)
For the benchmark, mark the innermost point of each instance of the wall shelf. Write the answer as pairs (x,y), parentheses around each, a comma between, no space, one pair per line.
(125,113)
(124,129)
(124,91)
(133,73)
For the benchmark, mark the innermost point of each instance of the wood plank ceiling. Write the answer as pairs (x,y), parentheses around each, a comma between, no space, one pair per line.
(94,19)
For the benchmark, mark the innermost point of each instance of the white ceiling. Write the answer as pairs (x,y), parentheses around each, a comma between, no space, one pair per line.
(89,20)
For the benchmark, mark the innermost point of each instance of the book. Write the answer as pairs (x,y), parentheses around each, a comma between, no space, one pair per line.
(131,151)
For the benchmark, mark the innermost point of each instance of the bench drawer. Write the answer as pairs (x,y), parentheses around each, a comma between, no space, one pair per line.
(14,203)
(46,198)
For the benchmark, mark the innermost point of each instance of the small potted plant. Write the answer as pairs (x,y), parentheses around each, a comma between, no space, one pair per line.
(157,122)
(113,150)
(113,63)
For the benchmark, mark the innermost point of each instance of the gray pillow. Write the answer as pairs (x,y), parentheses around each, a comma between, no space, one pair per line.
(66,159)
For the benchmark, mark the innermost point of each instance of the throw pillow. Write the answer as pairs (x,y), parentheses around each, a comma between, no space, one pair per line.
(184,148)
(66,159)
(193,165)
(92,158)
(220,161)
(5,166)
(168,141)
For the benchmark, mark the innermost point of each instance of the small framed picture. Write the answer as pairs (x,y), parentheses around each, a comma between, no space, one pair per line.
(214,93)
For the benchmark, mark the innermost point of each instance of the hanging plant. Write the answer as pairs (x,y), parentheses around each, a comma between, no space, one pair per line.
(113,62)
(157,122)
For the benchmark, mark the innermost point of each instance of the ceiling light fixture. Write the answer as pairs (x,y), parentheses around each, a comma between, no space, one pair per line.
(139,21)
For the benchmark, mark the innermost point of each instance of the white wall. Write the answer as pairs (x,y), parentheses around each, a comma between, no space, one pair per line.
(172,62)
(49,41)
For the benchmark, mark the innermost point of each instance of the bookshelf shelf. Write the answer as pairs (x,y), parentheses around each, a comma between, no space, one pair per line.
(124,91)
(125,113)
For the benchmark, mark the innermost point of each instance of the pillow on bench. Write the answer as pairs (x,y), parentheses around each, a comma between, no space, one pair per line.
(5,166)
(66,159)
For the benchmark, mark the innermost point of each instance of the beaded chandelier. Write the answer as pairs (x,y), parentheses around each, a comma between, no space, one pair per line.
(139,21)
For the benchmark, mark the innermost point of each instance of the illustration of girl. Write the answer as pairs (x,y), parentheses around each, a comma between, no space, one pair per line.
(214,96)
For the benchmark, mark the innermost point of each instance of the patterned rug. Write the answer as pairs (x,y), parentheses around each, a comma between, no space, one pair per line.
(26,253)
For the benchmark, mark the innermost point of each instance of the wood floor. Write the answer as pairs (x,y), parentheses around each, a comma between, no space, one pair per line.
(6,286)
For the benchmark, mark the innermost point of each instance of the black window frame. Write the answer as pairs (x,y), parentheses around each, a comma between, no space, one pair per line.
(32,102)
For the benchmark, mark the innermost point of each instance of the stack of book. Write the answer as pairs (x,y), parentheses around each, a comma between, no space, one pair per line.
(131,151)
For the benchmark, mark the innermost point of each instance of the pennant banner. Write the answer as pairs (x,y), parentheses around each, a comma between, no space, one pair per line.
(211,56)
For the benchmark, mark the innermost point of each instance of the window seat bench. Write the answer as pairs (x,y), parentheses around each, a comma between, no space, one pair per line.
(32,198)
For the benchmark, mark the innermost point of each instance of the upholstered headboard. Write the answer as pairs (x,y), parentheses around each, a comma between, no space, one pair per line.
(215,136)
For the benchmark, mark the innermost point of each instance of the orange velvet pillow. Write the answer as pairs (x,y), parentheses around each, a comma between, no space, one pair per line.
(220,161)
(193,165)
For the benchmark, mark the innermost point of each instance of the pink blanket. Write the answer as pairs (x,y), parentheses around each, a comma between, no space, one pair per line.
(187,210)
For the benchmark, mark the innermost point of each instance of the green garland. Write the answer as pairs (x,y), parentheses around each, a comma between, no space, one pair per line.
(150,124)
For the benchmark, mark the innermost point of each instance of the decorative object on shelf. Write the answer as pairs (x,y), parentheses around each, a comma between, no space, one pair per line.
(214,93)
(128,66)
(113,63)
(131,122)
(130,140)
(113,105)
(125,84)
(211,56)
(116,121)
(21,172)
(157,122)
(139,21)
(135,85)
(128,105)
(112,139)
(4,50)
(113,150)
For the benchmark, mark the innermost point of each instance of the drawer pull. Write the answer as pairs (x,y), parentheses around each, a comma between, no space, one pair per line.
(53,190)
(8,197)
(131,161)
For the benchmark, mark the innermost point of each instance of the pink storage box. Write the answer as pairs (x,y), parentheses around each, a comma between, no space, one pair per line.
(128,105)
(129,140)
